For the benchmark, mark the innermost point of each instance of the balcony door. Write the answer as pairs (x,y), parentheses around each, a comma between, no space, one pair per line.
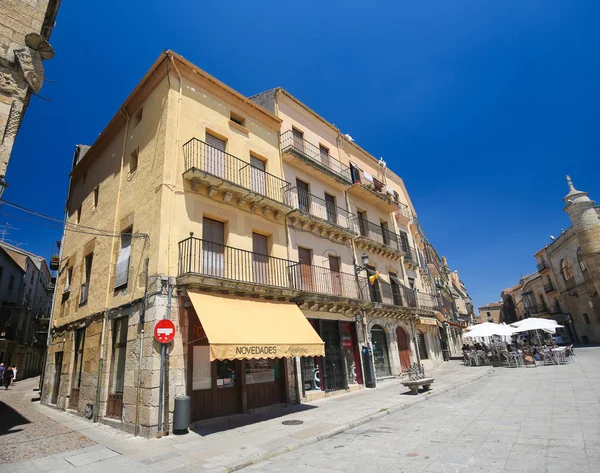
(331,208)
(363,223)
(405,245)
(324,153)
(213,248)
(303,196)
(214,156)
(336,277)
(257,176)
(260,258)
(305,258)
(298,138)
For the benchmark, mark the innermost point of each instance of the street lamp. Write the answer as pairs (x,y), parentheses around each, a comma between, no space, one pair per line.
(365,262)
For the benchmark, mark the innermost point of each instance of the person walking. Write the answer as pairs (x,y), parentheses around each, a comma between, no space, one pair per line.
(8,377)
(14,368)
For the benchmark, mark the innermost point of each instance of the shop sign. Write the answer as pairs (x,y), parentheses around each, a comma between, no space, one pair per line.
(347,341)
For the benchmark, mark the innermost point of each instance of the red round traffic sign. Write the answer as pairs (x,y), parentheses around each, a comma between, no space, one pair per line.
(164,331)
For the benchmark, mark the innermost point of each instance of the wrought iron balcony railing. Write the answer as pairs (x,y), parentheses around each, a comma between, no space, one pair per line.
(314,154)
(197,256)
(382,235)
(317,207)
(204,157)
(427,301)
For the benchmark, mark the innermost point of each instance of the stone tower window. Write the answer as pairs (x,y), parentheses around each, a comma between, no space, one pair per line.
(580,259)
(567,270)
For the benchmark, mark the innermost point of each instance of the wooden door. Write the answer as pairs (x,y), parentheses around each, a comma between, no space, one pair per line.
(58,361)
(213,249)
(214,156)
(403,348)
(260,258)
(257,176)
(303,196)
(336,282)
(305,258)
(331,208)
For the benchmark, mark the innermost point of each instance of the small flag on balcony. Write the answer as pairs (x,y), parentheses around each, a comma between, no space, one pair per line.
(373,278)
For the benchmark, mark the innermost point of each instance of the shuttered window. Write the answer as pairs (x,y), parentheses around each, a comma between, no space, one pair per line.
(122,273)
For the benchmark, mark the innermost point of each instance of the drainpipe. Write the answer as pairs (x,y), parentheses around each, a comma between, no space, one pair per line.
(142,323)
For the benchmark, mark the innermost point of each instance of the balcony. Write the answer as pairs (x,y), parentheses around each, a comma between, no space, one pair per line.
(378,240)
(536,309)
(427,301)
(211,266)
(299,152)
(233,180)
(549,288)
(556,309)
(372,190)
(403,214)
(316,214)
(542,265)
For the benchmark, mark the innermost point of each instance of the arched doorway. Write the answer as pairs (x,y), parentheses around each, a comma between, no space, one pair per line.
(403,348)
(381,358)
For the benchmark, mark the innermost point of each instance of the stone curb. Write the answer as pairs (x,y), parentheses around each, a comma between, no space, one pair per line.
(351,425)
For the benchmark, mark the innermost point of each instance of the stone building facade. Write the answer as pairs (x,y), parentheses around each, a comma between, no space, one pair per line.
(25,28)
(229,215)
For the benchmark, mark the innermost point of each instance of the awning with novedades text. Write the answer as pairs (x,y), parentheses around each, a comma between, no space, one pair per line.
(246,329)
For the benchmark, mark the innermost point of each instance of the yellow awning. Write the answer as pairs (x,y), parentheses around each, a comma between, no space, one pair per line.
(245,329)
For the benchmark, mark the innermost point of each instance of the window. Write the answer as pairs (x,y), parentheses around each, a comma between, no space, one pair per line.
(258,178)
(586,318)
(304,199)
(122,272)
(331,208)
(78,217)
(69,279)
(363,223)
(580,259)
(305,260)
(324,154)
(567,270)
(395,283)
(133,160)
(237,118)
(489,315)
(261,370)
(138,116)
(11,283)
(119,340)
(411,283)
(78,362)
(213,247)
(202,369)
(422,346)
(298,138)
(85,287)
(96,195)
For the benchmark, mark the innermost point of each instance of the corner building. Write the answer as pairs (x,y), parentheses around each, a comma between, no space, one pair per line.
(242,221)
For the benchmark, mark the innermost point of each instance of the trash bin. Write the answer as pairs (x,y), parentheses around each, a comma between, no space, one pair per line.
(368,367)
(181,415)
(446,354)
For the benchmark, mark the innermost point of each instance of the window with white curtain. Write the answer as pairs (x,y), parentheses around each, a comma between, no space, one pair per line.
(122,273)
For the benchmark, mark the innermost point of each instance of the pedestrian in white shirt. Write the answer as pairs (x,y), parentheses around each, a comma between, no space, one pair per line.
(14,374)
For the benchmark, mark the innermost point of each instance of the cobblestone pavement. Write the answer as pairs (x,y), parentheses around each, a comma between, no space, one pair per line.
(544,419)
(26,433)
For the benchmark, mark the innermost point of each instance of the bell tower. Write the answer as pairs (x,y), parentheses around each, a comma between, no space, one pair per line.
(583,215)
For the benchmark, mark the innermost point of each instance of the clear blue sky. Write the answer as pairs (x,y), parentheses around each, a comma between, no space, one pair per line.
(481,106)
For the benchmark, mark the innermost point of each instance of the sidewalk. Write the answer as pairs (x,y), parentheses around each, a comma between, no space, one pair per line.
(231,445)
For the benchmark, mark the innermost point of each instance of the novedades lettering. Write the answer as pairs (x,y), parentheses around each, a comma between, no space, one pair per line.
(256,350)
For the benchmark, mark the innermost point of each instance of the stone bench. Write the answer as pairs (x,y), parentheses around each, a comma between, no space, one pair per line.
(414,385)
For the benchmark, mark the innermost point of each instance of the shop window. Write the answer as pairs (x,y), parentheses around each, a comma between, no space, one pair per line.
(263,370)
(350,352)
(311,373)
(225,374)
(422,346)
(202,373)
(380,352)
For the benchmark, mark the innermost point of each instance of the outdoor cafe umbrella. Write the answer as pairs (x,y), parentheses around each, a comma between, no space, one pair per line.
(535,323)
(487,329)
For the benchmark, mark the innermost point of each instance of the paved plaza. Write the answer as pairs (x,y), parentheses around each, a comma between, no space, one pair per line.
(542,419)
